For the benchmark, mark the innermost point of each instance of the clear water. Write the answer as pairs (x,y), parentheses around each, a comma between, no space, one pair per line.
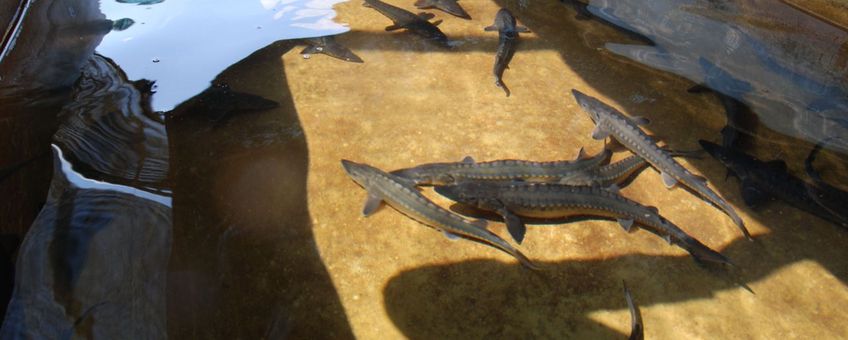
(177,174)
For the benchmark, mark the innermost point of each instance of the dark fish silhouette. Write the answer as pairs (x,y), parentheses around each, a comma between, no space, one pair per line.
(449,6)
(507,40)
(329,46)
(417,24)
(759,181)
(637,331)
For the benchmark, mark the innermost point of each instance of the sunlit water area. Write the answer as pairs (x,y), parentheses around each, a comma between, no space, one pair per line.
(289,169)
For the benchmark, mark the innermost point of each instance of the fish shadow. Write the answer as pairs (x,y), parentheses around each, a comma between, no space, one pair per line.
(491,299)
(245,263)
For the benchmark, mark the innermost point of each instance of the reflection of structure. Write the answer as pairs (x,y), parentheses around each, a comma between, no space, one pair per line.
(795,80)
(99,248)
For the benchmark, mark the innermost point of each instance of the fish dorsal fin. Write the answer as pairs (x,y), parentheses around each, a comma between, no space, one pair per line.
(372,204)
(450,236)
(581,154)
(777,164)
(426,15)
(627,224)
(667,239)
(598,133)
(482,224)
(639,120)
(491,28)
(614,189)
(468,160)
(366,4)
(522,29)
(654,210)
(668,180)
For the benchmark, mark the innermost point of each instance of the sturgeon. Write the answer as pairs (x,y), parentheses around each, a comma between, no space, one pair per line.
(418,24)
(329,46)
(448,6)
(829,197)
(609,122)
(637,331)
(507,40)
(759,181)
(558,201)
(402,195)
(500,170)
(615,173)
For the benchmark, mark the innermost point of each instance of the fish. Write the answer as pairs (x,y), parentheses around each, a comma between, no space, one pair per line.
(617,173)
(637,331)
(733,110)
(329,46)
(759,181)
(827,196)
(418,24)
(448,6)
(507,41)
(401,195)
(609,122)
(218,102)
(553,201)
(582,13)
(499,170)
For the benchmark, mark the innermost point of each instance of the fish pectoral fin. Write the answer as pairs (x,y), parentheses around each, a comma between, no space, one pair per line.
(468,160)
(598,133)
(310,50)
(365,4)
(627,224)
(514,225)
(450,236)
(614,188)
(522,29)
(426,15)
(394,27)
(372,204)
(492,28)
(668,180)
(751,195)
(638,120)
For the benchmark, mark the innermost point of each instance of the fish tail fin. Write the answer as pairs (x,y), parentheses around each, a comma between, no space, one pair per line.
(500,83)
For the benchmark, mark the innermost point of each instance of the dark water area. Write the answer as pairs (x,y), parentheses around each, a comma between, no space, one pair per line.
(170,168)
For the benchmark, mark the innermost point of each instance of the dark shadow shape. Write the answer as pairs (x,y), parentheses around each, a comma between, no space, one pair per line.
(244,261)
(490,299)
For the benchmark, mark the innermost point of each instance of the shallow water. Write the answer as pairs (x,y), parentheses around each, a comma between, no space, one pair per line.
(195,190)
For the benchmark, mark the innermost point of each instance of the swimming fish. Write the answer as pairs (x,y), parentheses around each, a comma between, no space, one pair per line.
(417,24)
(402,195)
(507,40)
(609,122)
(329,46)
(449,6)
(513,200)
